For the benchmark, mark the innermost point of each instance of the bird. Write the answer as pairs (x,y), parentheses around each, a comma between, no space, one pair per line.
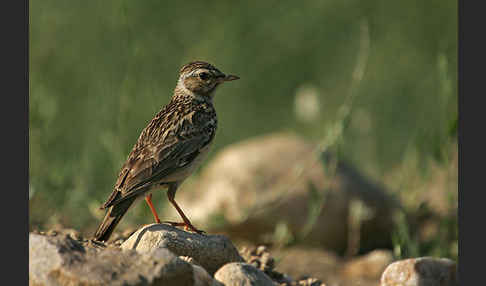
(169,148)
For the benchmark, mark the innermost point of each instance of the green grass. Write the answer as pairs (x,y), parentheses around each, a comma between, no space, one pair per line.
(382,75)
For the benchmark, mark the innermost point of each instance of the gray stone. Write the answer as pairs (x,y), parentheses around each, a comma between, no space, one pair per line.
(201,276)
(242,274)
(61,260)
(421,271)
(210,251)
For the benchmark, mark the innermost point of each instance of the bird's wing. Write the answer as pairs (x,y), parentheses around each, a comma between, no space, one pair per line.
(149,165)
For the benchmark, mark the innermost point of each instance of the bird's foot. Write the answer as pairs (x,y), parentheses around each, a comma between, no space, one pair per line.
(187,226)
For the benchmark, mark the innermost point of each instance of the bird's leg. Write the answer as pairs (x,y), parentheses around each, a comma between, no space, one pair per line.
(187,224)
(148,199)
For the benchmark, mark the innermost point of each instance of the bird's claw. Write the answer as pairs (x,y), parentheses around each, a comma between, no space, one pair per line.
(187,227)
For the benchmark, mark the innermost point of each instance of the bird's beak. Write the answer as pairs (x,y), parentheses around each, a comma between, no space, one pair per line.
(228,78)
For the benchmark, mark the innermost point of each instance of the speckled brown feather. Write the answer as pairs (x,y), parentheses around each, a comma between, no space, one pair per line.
(176,134)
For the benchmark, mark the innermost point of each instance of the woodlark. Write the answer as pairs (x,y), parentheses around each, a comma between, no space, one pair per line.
(169,149)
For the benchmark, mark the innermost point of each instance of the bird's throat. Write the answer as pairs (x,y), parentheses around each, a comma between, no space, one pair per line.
(182,92)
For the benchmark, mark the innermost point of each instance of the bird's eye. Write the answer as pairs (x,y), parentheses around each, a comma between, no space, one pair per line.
(204,75)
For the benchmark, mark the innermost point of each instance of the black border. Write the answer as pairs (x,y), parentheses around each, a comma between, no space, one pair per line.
(471,65)
(14,212)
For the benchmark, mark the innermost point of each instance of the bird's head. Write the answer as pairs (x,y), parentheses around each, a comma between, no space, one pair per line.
(201,78)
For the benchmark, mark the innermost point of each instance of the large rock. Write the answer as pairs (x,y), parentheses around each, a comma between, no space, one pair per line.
(209,251)
(255,185)
(242,274)
(421,271)
(60,260)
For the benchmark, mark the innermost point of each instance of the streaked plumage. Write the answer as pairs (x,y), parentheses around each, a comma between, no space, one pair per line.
(169,149)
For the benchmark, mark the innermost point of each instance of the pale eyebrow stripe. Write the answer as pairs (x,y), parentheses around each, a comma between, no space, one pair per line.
(197,71)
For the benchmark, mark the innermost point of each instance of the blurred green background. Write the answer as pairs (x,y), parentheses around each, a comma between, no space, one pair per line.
(100,70)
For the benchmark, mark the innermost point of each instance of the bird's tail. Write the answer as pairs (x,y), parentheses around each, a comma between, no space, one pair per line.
(112,217)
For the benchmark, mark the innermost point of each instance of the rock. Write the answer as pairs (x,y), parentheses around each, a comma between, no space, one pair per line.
(252,186)
(260,258)
(421,271)
(201,276)
(369,266)
(243,274)
(60,260)
(210,251)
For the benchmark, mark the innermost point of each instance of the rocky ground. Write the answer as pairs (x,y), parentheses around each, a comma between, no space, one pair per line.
(311,210)
(160,254)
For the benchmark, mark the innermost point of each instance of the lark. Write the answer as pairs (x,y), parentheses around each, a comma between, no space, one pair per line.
(170,148)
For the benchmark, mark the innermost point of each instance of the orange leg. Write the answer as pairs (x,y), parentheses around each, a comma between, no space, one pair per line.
(187,224)
(148,199)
